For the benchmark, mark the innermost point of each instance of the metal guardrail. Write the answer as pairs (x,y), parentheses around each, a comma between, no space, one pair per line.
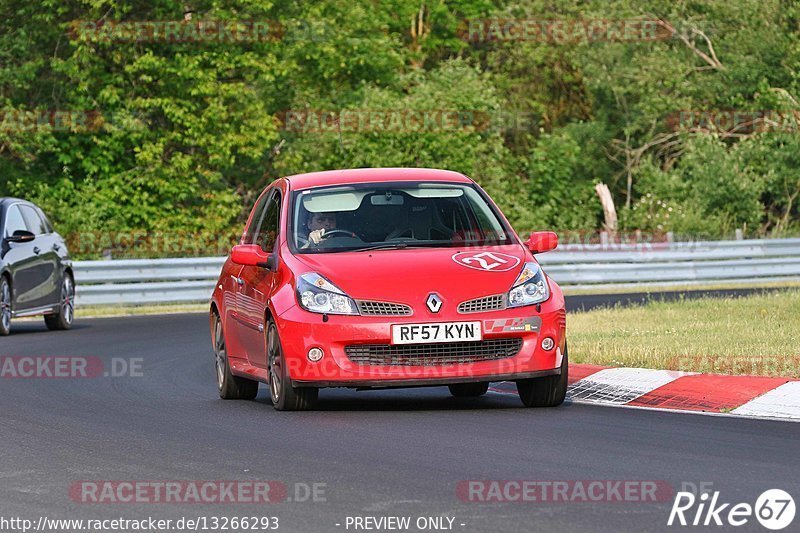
(683,263)
(149,281)
(146,281)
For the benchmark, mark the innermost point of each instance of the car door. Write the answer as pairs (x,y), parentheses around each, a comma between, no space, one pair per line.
(256,283)
(22,263)
(233,284)
(48,270)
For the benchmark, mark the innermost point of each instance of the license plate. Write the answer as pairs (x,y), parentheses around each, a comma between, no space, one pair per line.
(442,332)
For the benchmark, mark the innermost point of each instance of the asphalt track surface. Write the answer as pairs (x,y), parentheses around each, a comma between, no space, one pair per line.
(379,453)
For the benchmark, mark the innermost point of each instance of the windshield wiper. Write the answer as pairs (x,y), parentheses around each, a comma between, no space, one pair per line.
(401,245)
(384,246)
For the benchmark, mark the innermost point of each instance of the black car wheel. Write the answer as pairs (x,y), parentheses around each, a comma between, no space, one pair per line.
(230,387)
(5,306)
(63,319)
(284,396)
(548,391)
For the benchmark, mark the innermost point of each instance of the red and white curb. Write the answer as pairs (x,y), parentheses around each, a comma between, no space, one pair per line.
(750,396)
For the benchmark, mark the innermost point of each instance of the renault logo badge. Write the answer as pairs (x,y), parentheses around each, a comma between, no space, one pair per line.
(434,302)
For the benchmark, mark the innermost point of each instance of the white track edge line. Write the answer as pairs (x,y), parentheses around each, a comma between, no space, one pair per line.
(666,410)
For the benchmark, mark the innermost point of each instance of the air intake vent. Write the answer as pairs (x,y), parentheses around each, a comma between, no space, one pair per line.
(487,303)
(368,308)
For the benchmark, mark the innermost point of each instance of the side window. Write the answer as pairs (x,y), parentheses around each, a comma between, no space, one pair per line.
(267,232)
(258,211)
(48,226)
(14,221)
(34,221)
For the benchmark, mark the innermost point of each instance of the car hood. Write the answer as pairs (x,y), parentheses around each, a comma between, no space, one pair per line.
(410,275)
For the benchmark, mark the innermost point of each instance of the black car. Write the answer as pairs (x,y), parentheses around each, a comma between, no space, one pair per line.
(35,269)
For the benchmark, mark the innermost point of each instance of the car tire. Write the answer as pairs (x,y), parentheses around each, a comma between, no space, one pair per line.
(62,320)
(469,390)
(548,391)
(284,396)
(230,387)
(5,306)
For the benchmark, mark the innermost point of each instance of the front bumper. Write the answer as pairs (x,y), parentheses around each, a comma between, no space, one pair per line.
(301,330)
(424,382)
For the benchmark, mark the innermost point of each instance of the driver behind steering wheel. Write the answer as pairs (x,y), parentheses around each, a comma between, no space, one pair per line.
(318,224)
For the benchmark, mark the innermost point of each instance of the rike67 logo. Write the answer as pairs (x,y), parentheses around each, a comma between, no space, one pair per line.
(774,510)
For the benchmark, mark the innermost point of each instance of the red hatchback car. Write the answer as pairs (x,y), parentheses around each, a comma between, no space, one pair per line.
(379,278)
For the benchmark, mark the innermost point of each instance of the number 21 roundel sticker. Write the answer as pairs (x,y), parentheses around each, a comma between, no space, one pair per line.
(487,261)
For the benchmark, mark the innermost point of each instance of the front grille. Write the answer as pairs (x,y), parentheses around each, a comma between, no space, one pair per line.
(368,308)
(435,354)
(487,303)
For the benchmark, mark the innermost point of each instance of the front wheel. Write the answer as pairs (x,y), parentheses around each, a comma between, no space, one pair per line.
(284,396)
(5,307)
(62,319)
(230,387)
(548,391)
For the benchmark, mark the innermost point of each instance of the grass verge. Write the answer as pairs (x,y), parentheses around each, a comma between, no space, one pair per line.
(655,288)
(120,310)
(755,335)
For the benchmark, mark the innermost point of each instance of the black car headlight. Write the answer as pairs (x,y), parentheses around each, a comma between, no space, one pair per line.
(318,295)
(530,287)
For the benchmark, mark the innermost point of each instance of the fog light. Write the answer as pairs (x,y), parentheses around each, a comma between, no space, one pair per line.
(548,343)
(315,354)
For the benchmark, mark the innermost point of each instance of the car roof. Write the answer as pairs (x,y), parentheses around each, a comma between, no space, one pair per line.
(370,175)
(7,200)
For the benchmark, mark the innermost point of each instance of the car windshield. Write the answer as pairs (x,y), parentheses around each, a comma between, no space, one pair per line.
(393,215)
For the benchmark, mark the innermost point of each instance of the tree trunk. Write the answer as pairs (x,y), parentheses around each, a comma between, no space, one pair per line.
(609,211)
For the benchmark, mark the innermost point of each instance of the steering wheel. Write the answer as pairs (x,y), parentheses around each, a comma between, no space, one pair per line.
(345,233)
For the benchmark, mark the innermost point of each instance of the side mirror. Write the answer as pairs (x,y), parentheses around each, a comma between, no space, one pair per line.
(21,235)
(542,241)
(253,255)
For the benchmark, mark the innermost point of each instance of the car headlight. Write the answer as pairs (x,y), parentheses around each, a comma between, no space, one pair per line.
(530,288)
(318,295)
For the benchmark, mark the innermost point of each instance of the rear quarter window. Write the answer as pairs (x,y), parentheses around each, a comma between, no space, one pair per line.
(33,220)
